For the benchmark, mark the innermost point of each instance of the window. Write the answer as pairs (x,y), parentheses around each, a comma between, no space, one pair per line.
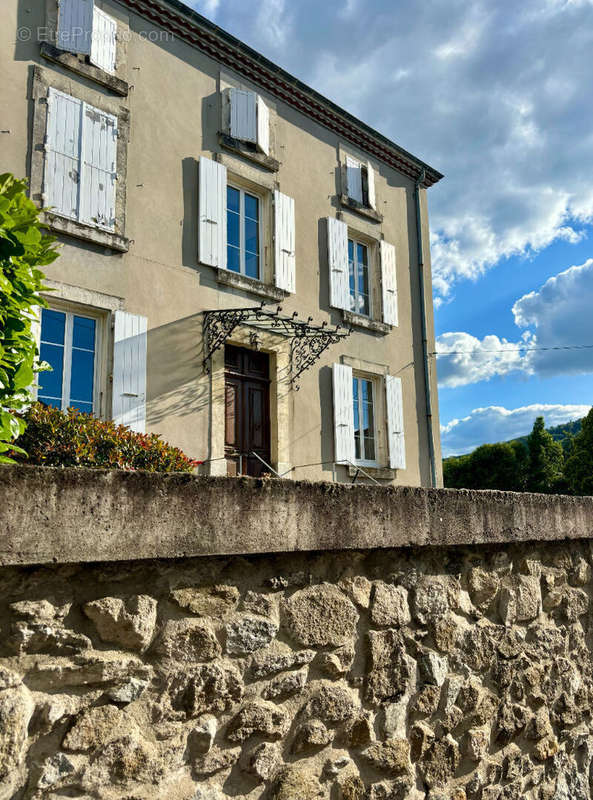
(358,266)
(360,183)
(364,419)
(243,232)
(83,28)
(69,345)
(80,161)
(247,118)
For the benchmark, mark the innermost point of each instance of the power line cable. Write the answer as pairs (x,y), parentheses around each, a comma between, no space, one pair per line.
(511,350)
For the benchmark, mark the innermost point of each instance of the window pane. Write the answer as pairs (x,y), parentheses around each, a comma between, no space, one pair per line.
(53,324)
(50,383)
(233,259)
(350,249)
(233,228)
(357,455)
(82,377)
(369,449)
(87,408)
(251,206)
(361,254)
(232,199)
(83,333)
(251,236)
(252,265)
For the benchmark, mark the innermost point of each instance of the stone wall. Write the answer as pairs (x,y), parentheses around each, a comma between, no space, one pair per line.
(441,673)
(458,672)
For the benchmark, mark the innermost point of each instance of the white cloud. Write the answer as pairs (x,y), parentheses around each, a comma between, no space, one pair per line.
(556,316)
(206,7)
(498,424)
(497,96)
(562,316)
(474,360)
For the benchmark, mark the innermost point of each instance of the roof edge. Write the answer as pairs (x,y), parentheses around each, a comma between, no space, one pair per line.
(196,29)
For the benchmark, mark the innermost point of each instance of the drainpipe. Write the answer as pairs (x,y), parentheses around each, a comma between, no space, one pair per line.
(425,355)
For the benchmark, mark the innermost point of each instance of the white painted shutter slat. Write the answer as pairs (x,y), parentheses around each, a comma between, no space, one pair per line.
(395,422)
(212,213)
(263,126)
(243,115)
(354,179)
(389,283)
(98,167)
(103,41)
(371,186)
(343,413)
(75,25)
(337,254)
(62,157)
(129,370)
(284,242)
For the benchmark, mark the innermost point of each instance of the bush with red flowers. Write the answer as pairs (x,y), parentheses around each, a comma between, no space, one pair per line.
(55,438)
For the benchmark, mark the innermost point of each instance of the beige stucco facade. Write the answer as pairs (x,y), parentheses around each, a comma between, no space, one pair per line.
(174,109)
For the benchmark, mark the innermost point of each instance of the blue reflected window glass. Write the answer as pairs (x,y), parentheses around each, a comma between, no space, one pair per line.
(252,265)
(359,278)
(233,258)
(233,229)
(83,333)
(50,383)
(82,377)
(68,344)
(243,236)
(364,419)
(233,199)
(251,207)
(53,326)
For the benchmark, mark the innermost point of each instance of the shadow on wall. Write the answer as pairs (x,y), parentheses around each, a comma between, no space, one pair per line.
(177,384)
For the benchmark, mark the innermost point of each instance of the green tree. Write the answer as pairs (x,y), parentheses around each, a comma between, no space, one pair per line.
(23,249)
(490,466)
(545,469)
(579,464)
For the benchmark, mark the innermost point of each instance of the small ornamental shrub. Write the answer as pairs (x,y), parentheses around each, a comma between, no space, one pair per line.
(70,438)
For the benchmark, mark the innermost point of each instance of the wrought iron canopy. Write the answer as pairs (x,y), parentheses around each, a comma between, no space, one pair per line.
(307,341)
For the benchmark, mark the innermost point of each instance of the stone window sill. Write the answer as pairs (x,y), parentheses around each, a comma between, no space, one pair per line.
(359,321)
(246,284)
(249,152)
(364,211)
(378,473)
(87,232)
(79,65)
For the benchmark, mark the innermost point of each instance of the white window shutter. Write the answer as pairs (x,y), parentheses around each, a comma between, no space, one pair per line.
(129,371)
(337,255)
(243,115)
(98,167)
(354,179)
(343,414)
(75,25)
(389,283)
(284,242)
(371,199)
(395,422)
(263,126)
(212,213)
(103,43)
(62,154)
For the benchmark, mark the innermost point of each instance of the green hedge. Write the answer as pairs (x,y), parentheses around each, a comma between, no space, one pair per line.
(70,438)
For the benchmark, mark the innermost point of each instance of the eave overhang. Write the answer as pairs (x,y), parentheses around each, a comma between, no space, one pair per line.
(193,28)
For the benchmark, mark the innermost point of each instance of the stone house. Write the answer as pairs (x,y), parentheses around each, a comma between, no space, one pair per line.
(244,268)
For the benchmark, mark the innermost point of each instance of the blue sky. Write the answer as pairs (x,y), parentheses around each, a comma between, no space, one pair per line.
(498,97)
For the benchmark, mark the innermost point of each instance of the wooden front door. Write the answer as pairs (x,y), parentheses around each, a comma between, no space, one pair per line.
(247,410)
